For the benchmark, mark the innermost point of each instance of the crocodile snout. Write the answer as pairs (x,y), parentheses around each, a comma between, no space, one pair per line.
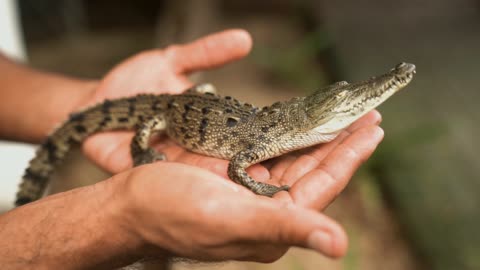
(403,68)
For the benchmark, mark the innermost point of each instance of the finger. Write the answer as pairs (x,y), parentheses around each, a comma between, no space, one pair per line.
(292,225)
(278,170)
(312,157)
(209,52)
(320,186)
(110,150)
(371,118)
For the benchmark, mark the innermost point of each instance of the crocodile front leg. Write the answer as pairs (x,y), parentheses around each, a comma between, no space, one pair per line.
(140,150)
(236,172)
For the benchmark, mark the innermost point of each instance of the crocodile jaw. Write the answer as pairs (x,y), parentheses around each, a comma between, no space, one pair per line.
(358,99)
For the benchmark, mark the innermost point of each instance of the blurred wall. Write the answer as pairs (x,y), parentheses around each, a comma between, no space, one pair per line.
(14,157)
(428,163)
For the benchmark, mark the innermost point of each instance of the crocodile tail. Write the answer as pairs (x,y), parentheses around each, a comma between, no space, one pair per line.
(109,115)
(36,176)
(50,153)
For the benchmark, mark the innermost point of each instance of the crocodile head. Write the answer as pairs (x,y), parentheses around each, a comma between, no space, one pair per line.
(342,103)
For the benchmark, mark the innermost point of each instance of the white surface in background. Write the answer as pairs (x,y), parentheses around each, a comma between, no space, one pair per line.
(14,157)
(11,41)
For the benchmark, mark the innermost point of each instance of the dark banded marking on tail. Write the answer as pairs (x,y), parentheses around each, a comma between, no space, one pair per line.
(121,113)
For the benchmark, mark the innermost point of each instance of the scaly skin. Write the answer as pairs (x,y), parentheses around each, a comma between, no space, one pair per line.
(223,127)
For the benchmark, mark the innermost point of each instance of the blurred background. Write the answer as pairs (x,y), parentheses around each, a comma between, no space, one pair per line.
(414,205)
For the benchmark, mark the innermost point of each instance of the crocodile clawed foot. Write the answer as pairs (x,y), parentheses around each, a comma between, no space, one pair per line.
(269,190)
(149,156)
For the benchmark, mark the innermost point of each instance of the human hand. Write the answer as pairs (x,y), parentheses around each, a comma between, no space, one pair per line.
(221,220)
(175,209)
(316,175)
(157,71)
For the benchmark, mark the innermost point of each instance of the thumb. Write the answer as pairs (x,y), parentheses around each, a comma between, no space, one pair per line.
(211,51)
(298,226)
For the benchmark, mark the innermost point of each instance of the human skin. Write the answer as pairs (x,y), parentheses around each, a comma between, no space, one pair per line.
(131,213)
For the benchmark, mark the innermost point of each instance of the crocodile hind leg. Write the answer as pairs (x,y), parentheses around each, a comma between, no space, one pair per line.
(237,172)
(141,152)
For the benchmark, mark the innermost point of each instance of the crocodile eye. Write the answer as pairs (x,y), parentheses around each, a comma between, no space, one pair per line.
(231,122)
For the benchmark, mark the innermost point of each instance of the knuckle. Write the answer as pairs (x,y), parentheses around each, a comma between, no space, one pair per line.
(350,153)
(171,51)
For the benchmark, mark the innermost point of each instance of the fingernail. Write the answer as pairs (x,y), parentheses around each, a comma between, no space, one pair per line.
(378,118)
(380,133)
(320,241)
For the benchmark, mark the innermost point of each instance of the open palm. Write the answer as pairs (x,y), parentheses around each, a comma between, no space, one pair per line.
(316,175)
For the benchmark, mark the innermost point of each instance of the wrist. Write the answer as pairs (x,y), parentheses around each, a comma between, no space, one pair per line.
(122,244)
(34,102)
(133,220)
(70,95)
(82,228)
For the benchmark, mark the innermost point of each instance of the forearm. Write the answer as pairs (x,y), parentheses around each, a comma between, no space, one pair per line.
(80,229)
(33,102)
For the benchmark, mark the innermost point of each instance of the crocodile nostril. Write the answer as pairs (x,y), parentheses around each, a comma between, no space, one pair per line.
(404,68)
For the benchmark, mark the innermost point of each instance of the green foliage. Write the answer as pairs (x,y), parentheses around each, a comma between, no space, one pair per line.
(433,196)
(390,153)
(298,65)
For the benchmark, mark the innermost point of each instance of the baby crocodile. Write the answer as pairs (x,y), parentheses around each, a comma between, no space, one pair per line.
(219,126)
